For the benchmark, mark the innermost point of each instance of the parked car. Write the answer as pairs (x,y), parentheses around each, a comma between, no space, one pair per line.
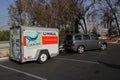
(81,42)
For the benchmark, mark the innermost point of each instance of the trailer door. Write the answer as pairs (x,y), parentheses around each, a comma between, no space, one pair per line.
(15,43)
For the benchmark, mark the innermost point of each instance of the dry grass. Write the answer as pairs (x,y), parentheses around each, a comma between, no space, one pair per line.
(4,52)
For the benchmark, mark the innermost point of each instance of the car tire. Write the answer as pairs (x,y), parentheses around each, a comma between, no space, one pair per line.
(103,46)
(42,57)
(81,49)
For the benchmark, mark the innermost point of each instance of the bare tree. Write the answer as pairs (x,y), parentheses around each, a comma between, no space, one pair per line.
(83,10)
(113,10)
(30,12)
(15,13)
(106,14)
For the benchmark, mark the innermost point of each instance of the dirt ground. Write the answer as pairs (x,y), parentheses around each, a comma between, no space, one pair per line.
(4,52)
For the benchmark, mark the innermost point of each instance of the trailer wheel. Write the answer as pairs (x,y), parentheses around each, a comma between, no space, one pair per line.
(42,57)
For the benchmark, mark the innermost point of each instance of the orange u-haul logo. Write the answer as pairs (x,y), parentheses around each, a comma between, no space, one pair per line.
(49,40)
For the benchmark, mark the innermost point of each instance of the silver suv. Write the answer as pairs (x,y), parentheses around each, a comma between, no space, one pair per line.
(81,42)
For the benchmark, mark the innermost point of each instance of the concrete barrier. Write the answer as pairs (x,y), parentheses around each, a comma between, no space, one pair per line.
(4,52)
(4,44)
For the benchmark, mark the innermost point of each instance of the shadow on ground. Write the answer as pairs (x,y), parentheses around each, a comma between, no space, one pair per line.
(115,66)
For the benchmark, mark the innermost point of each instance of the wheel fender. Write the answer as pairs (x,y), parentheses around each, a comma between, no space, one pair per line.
(37,54)
(81,45)
(39,51)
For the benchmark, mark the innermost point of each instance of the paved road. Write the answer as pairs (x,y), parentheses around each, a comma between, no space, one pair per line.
(92,65)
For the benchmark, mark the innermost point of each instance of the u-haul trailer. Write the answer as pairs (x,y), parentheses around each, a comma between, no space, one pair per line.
(33,43)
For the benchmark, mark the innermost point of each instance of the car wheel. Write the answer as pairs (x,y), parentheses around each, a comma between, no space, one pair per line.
(81,49)
(42,57)
(103,46)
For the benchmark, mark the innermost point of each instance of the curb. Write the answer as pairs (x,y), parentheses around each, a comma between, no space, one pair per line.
(4,58)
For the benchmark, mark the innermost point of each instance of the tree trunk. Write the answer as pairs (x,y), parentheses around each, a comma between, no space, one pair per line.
(117,24)
(84,21)
(82,28)
(77,22)
(76,26)
(114,14)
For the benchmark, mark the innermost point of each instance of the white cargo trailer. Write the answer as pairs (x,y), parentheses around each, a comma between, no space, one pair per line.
(33,43)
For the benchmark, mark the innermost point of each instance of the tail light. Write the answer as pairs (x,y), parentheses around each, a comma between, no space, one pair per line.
(24,40)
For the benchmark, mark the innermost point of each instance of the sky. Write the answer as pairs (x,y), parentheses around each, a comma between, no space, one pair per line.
(4,17)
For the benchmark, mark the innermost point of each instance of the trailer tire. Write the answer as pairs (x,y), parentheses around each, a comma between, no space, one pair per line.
(43,56)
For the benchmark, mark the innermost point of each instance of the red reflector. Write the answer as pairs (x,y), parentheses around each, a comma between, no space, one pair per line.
(24,41)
